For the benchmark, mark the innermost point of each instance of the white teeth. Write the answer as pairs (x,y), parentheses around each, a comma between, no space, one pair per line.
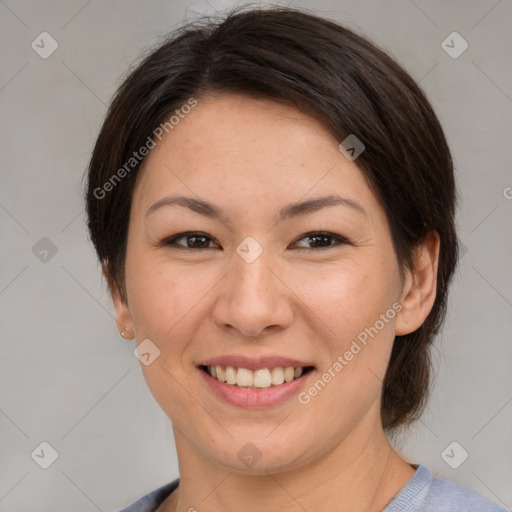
(289,374)
(221,374)
(261,378)
(230,375)
(244,377)
(277,376)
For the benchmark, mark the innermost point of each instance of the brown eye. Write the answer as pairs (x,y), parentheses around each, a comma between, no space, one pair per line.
(320,240)
(190,240)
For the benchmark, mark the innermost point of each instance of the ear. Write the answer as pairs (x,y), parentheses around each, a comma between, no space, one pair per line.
(419,291)
(123,317)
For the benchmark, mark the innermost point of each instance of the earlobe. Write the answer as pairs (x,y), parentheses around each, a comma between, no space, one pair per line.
(123,316)
(419,291)
(125,332)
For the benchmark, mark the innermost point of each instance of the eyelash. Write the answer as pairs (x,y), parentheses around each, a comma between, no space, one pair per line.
(171,242)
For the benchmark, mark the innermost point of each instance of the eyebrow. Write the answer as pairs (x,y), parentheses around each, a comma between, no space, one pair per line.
(292,210)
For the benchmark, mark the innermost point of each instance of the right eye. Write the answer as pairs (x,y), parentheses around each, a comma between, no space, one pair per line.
(190,240)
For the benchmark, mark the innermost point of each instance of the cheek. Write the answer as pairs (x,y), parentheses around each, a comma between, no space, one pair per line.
(153,300)
(349,297)
(353,305)
(167,302)
(167,306)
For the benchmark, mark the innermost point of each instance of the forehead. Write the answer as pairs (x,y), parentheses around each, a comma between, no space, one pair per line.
(245,149)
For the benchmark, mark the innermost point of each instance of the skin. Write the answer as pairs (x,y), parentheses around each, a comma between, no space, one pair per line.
(251,158)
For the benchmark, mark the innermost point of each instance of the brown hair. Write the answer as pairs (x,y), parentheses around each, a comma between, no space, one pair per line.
(336,76)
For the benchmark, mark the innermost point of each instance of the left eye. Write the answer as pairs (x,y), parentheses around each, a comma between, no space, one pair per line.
(320,240)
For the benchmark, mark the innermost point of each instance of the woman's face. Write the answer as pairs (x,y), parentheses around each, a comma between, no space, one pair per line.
(288,263)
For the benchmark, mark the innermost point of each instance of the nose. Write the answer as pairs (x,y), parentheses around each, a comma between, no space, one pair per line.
(253,301)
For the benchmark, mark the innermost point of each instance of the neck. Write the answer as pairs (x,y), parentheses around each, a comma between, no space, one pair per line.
(362,473)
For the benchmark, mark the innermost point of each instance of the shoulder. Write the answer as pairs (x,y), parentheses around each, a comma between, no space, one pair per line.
(423,493)
(446,495)
(150,502)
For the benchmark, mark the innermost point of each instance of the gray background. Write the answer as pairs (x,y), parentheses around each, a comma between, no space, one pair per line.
(69,379)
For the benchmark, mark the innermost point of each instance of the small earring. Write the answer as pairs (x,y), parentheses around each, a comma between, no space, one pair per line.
(123,335)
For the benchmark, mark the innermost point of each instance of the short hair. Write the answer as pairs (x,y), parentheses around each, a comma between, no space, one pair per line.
(332,74)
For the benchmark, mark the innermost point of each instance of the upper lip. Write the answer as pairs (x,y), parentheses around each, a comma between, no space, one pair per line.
(255,363)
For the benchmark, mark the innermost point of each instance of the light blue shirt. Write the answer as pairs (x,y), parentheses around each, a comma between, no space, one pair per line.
(422,493)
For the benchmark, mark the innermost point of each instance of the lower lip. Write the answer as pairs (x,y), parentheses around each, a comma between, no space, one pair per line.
(254,398)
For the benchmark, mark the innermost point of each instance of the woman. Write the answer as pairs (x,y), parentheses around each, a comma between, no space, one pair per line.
(272,200)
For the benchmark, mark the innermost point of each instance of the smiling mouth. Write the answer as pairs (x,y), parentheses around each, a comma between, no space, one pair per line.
(261,378)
